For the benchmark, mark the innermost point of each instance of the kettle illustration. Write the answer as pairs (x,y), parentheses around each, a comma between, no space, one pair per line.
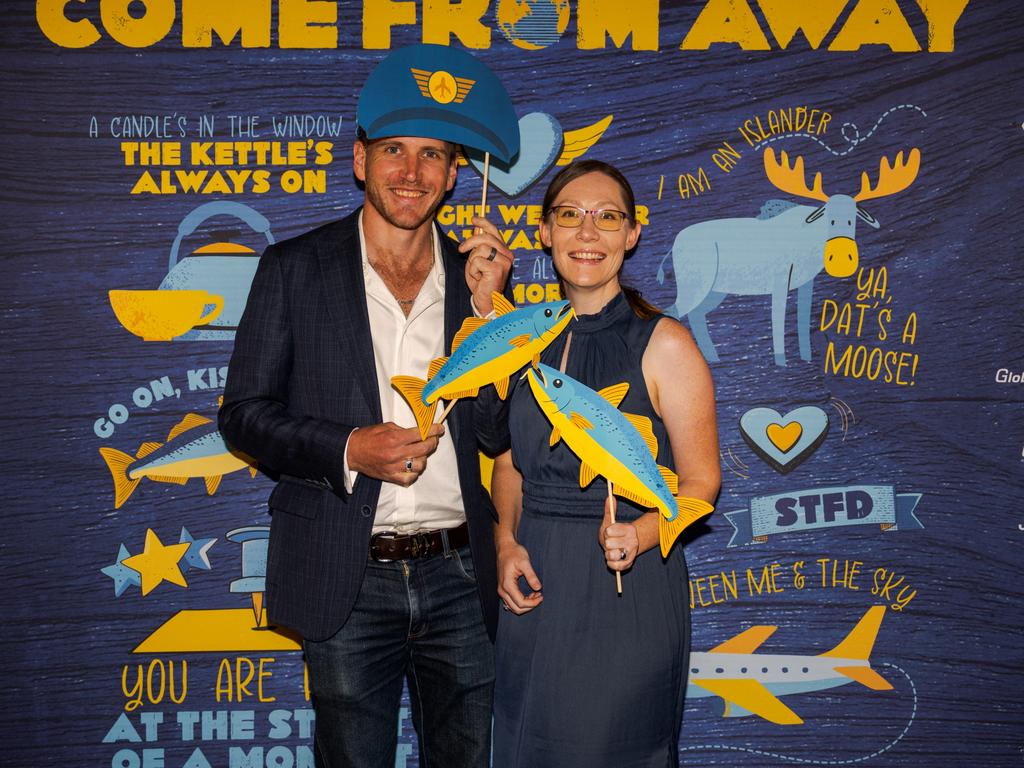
(223,269)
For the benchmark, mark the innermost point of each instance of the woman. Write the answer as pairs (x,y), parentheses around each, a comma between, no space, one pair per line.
(587,677)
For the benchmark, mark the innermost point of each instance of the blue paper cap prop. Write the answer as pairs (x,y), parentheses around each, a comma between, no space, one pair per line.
(437,92)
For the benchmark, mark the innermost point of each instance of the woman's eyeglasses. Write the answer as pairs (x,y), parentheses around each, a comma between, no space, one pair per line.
(607,219)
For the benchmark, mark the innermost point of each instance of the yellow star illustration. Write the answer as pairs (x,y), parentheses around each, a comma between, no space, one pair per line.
(158,563)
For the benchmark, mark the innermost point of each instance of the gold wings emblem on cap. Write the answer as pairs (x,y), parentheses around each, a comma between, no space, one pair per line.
(441,86)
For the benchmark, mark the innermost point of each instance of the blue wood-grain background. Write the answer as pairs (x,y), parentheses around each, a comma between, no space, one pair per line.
(950,246)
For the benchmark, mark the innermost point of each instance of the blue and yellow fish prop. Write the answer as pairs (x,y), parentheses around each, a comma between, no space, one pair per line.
(485,352)
(620,447)
(194,448)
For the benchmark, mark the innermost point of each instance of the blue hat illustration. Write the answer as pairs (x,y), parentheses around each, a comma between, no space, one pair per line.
(438,92)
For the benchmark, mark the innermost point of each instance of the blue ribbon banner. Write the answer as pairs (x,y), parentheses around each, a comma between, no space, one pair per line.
(814,508)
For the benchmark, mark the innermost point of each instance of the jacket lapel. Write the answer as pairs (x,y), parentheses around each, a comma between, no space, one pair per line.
(342,271)
(456,305)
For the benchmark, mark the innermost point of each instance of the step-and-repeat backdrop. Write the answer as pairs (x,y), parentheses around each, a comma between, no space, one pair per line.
(869,406)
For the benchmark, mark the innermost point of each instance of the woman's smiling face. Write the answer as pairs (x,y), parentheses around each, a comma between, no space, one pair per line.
(588,259)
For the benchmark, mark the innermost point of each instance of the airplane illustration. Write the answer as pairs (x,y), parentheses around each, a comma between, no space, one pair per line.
(752,684)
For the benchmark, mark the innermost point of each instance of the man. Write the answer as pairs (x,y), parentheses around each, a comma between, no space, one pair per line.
(381,547)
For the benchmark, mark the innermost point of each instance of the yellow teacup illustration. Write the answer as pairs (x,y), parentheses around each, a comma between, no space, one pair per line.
(163,314)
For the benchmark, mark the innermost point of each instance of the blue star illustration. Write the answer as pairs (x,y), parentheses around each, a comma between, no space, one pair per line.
(122,575)
(197,556)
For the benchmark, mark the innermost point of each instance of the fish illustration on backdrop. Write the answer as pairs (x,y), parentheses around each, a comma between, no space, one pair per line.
(194,448)
(621,447)
(485,352)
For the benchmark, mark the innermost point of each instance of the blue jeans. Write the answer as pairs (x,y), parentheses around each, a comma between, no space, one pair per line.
(415,620)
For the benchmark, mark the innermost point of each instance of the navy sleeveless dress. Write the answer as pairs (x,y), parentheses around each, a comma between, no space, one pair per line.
(589,678)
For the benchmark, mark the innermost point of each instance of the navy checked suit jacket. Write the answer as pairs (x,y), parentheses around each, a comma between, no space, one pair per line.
(301,378)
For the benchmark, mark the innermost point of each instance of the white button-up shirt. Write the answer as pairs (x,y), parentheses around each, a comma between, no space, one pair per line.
(407,345)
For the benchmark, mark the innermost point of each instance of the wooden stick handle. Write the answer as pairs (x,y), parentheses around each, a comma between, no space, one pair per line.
(618,574)
(447,409)
(483,197)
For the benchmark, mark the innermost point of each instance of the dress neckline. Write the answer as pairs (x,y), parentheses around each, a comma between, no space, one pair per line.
(608,315)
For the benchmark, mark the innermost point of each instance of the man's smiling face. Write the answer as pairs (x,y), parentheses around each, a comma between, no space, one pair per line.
(405,177)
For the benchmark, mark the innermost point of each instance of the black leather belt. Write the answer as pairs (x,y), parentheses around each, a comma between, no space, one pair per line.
(388,546)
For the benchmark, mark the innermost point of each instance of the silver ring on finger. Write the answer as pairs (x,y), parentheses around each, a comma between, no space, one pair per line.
(492,254)
(408,465)
(504,606)
(623,553)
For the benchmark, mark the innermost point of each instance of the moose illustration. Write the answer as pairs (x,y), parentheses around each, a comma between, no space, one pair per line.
(782,249)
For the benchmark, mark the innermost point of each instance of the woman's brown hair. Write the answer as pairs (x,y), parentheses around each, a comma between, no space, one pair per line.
(643,308)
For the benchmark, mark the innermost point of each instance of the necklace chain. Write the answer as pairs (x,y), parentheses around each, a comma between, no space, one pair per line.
(386,276)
